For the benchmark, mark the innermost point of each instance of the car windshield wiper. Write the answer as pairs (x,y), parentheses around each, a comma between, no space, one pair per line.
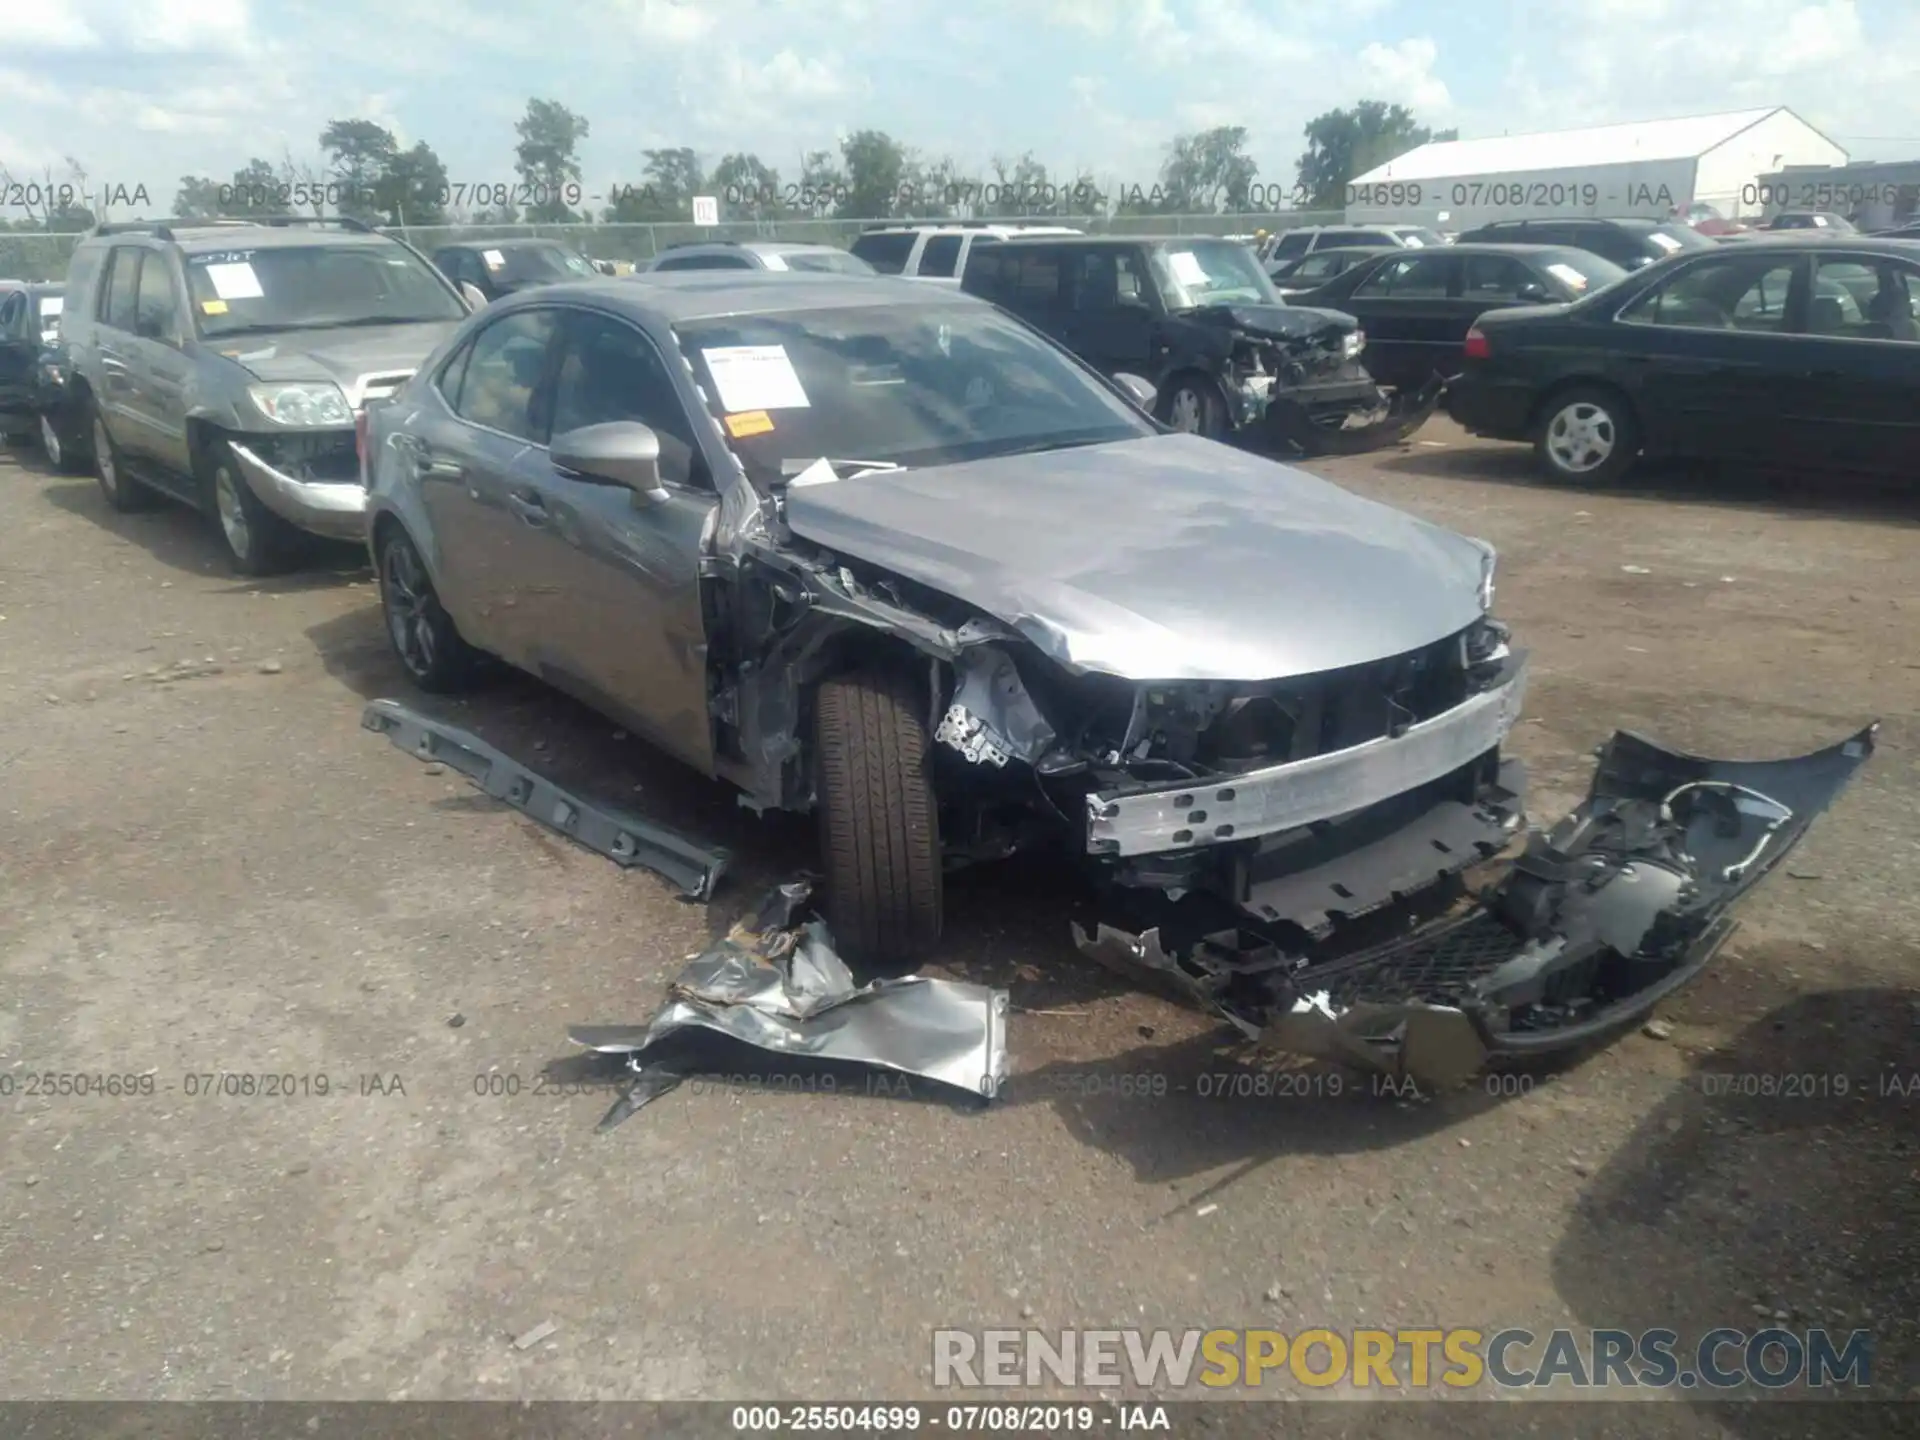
(367,320)
(1040,447)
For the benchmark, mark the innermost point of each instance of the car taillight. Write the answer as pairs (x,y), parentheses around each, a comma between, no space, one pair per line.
(360,441)
(1477,347)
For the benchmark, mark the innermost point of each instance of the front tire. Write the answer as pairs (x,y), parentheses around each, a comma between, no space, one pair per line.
(879,823)
(1194,407)
(258,541)
(54,446)
(1586,436)
(421,632)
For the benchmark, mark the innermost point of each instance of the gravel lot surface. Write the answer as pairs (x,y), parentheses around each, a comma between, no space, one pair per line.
(207,866)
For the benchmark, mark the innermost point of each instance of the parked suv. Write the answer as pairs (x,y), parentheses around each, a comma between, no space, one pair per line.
(1199,321)
(1627,243)
(1292,244)
(937,252)
(224,364)
(758,255)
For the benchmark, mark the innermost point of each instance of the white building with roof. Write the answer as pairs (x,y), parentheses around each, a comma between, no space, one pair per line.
(1648,168)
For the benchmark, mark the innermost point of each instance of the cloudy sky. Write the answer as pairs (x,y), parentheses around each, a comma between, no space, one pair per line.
(144,91)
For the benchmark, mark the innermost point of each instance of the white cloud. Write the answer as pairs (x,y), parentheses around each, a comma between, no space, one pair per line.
(1403,72)
(189,25)
(44,25)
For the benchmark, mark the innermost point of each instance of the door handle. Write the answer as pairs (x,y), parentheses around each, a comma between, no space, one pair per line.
(428,465)
(528,505)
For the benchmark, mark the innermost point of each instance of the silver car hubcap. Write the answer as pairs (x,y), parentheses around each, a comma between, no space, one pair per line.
(233,519)
(103,457)
(1581,437)
(49,439)
(1186,411)
(410,608)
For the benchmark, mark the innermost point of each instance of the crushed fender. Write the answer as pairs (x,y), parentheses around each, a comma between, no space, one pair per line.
(774,982)
(1599,919)
(620,836)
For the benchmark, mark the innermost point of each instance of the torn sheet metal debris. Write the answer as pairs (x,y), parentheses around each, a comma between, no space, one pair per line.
(776,983)
(623,838)
(992,718)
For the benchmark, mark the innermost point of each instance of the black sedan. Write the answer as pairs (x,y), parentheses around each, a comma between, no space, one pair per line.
(33,392)
(1416,306)
(500,267)
(1795,351)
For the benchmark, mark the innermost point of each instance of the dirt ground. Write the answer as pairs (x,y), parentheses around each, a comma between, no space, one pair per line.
(207,866)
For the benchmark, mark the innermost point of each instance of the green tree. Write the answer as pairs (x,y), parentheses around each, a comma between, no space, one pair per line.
(255,190)
(1344,143)
(748,188)
(359,155)
(821,180)
(876,166)
(1018,187)
(547,158)
(413,190)
(198,198)
(1208,173)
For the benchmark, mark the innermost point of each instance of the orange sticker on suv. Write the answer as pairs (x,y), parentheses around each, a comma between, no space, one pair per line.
(749,422)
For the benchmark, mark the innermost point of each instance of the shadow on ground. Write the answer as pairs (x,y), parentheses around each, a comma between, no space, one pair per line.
(1774,1187)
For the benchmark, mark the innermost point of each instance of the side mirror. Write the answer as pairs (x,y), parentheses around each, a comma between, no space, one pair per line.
(1144,392)
(1534,293)
(618,452)
(476,298)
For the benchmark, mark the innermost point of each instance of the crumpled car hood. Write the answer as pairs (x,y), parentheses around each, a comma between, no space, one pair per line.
(1165,558)
(1281,322)
(342,356)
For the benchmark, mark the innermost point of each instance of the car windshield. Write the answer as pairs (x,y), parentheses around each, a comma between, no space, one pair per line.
(535,264)
(1193,273)
(1416,236)
(838,262)
(50,308)
(907,385)
(306,287)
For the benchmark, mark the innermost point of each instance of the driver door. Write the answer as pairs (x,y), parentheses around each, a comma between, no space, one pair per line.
(1109,318)
(619,621)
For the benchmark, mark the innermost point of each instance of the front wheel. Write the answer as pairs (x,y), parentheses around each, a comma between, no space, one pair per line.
(259,542)
(879,824)
(1194,407)
(1587,436)
(54,446)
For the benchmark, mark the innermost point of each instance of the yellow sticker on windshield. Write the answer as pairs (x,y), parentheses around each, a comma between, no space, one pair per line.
(749,422)
(214,307)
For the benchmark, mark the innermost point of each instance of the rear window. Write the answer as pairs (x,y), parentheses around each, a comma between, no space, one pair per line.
(1670,238)
(1292,245)
(941,255)
(837,262)
(885,252)
(1332,238)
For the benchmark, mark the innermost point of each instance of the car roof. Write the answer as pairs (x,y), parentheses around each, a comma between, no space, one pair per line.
(676,295)
(1891,246)
(1079,240)
(265,237)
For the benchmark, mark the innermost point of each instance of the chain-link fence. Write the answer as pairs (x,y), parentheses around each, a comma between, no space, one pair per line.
(27,256)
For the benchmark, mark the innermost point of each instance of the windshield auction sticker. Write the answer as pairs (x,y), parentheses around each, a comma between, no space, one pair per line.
(755,377)
(235,282)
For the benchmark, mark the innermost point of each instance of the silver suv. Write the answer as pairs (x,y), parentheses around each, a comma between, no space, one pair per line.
(225,364)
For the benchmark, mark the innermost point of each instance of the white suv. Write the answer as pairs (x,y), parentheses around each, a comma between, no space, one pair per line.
(936,252)
(1292,244)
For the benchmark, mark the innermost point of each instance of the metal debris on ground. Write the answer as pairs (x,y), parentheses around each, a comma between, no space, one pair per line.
(775,982)
(534,1336)
(620,836)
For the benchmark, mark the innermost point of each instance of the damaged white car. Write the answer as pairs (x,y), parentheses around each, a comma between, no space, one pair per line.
(884,552)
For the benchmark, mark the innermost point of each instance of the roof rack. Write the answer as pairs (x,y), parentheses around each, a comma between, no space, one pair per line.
(163,229)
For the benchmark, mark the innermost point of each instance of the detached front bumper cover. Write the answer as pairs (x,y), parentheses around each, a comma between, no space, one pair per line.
(1603,916)
(1292,425)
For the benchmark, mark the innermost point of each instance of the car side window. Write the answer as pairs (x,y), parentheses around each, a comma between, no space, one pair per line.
(1036,283)
(610,371)
(1736,292)
(13,311)
(123,281)
(1290,247)
(502,383)
(1865,300)
(941,254)
(156,310)
(1417,277)
(1495,277)
(886,252)
(1623,250)
(447,382)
